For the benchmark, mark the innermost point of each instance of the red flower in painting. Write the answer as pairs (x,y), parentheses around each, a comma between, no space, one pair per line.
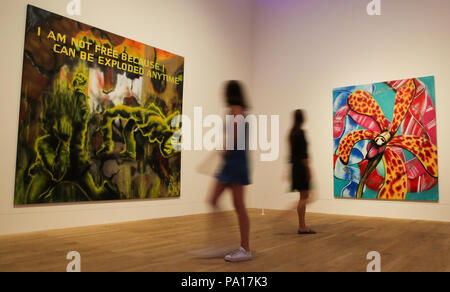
(385,143)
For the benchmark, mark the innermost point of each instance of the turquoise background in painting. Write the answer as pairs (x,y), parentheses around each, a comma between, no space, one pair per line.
(385,97)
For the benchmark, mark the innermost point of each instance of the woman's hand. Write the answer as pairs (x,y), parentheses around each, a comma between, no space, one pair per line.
(308,169)
(308,174)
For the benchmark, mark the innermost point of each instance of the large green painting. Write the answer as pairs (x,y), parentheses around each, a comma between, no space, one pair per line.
(98,115)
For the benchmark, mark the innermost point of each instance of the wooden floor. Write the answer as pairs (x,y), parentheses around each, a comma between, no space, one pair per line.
(341,244)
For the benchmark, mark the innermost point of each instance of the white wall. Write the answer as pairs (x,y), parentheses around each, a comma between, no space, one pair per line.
(214,37)
(304,49)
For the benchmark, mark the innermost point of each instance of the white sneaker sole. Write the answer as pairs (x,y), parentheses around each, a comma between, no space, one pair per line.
(235,260)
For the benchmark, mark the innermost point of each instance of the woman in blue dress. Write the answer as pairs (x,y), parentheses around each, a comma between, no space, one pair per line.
(234,172)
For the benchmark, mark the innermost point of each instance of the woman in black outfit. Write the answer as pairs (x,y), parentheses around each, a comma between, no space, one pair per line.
(301,174)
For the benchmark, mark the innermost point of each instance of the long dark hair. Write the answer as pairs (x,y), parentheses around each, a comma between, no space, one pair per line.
(234,94)
(297,126)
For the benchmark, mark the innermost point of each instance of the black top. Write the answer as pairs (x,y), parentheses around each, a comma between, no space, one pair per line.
(299,147)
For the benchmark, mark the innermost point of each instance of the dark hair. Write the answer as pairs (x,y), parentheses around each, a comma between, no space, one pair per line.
(234,94)
(298,122)
(298,118)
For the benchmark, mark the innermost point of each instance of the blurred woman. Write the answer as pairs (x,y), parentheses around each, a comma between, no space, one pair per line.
(233,173)
(301,174)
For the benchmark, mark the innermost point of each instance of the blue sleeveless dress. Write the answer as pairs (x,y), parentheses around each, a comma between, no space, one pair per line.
(234,169)
(235,166)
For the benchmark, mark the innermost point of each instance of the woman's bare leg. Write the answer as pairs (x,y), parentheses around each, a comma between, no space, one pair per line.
(216,248)
(301,210)
(216,193)
(244,222)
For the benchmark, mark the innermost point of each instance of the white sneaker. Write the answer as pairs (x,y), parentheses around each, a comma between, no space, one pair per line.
(239,255)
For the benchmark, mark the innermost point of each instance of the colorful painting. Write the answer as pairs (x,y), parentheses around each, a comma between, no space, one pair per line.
(99,115)
(385,144)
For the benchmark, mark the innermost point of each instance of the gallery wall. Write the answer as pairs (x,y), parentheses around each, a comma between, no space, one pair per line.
(304,49)
(290,54)
(215,39)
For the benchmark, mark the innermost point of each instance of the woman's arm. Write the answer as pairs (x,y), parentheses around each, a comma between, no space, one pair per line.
(305,162)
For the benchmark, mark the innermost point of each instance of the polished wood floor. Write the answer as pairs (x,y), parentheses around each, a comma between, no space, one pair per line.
(341,244)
